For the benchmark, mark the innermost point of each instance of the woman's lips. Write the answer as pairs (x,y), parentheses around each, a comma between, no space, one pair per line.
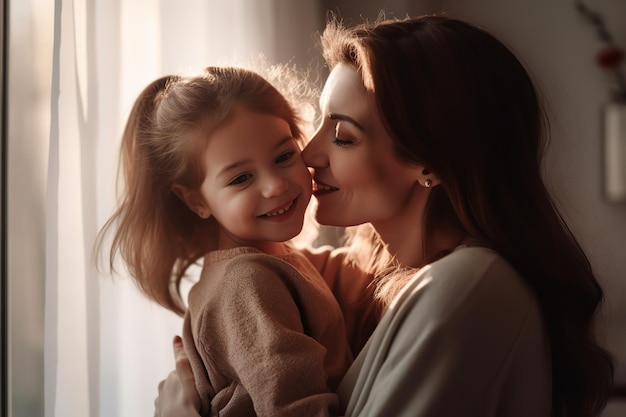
(321,188)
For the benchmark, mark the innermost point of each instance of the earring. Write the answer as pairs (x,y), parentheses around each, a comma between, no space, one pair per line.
(428,183)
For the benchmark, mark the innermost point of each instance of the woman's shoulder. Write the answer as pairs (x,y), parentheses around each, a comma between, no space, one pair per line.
(469,282)
(475,260)
(471,328)
(476,268)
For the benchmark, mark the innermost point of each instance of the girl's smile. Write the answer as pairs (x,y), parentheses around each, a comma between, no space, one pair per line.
(282,213)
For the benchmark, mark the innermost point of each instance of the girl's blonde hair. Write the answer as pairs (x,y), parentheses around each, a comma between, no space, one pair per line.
(156,234)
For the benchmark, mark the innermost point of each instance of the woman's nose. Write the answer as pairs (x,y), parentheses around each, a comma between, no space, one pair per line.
(313,153)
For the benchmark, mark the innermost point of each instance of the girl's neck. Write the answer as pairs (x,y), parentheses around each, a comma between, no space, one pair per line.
(226,241)
(273,248)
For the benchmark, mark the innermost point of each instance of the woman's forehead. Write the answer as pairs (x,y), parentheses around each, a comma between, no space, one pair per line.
(344,93)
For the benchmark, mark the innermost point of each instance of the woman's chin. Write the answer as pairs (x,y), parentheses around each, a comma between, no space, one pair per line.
(324,218)
(331,219)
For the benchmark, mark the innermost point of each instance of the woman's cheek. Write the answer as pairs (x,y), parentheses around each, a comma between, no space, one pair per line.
(353,170)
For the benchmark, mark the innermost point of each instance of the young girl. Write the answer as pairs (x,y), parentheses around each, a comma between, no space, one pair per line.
(212,169)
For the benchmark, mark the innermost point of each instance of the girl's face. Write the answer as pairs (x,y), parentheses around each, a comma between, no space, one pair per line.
(256,186)
(357,177)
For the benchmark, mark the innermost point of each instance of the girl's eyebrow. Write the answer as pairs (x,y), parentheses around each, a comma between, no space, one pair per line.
(230,167)
(282,142)
(335,116)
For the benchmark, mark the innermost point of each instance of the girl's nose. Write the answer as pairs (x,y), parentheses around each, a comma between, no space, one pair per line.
(274,185)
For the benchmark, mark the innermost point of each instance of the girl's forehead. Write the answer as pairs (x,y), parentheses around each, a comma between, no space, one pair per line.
(248,135)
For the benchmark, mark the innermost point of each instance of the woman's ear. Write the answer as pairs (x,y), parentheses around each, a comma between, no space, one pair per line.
(426,178)
(193,199)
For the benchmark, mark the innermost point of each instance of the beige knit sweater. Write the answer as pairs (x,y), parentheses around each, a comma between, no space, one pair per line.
(265,336)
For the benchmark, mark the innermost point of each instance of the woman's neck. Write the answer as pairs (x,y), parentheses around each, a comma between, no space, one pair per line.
(408,247)
(404,235)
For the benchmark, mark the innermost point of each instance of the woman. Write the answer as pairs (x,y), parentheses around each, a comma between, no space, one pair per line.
(433,133)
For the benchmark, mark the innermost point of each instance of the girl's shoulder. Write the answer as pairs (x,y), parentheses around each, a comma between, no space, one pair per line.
(243,274)
(243,263)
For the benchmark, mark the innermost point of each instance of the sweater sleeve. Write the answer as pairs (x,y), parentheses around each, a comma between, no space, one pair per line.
(353,289)
(256,337)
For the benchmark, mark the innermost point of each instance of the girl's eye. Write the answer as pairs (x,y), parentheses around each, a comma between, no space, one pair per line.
(340,142)
(240,179)
(285,157)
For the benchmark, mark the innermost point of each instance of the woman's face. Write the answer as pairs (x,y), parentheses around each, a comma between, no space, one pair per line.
(358,178)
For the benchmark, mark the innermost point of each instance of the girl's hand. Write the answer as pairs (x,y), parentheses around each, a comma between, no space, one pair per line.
(177,393)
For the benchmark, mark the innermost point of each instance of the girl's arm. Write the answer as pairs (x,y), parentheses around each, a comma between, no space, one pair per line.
(354,290)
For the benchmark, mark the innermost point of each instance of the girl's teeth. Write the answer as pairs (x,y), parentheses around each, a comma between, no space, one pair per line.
(281,211)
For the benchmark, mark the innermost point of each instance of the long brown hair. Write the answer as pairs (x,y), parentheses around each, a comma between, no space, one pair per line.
(156,234)
(459,102)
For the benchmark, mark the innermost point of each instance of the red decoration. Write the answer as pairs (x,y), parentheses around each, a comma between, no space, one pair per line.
(610,58)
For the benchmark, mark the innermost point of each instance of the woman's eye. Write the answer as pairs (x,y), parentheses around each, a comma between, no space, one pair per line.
(340,142)
(240,179)
(339,133)
(285,157)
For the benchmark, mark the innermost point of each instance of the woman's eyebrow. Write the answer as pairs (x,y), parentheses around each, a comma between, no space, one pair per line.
(335,116)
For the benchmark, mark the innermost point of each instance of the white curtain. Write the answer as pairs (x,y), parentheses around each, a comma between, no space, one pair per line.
(107,346)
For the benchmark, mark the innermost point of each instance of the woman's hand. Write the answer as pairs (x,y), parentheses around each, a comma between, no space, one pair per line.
(177,393)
